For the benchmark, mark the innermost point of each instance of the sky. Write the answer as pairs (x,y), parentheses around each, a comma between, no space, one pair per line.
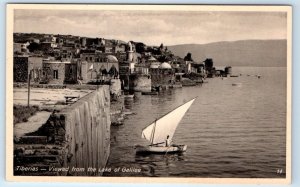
(155,27)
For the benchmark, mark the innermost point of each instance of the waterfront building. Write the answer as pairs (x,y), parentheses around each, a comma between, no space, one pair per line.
(132,57)
(162,76)
(153,63)
(179,65)
(134,71)
(102,67)
(228,70)
(141,68)
(127,67)
(209,64)
(188,65)
(209,67)
(140,82)
(198,68)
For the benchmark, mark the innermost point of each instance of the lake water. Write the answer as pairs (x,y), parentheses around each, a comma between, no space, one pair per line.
(230,131)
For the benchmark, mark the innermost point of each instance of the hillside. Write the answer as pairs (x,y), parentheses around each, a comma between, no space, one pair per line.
(257,53)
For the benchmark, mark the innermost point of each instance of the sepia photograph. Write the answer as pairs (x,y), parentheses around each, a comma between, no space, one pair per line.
(185,93)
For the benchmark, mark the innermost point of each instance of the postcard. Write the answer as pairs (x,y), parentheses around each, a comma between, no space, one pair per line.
(149,93)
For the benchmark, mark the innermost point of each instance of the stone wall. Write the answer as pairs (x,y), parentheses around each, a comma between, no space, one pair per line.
(24,64)
(71,73)
(49,69)
(142,83)
(18,47)
(75,138)
(162,77)
(83,75)
(35,62)
(88,131)
(116,111)
(20,69)
(35,66)
(115,87)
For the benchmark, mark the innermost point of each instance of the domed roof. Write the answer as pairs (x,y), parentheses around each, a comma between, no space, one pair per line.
(112,59)
(152,59)
(155,65)
(165,65)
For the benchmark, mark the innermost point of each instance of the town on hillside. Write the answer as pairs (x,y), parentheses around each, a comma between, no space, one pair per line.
(66,59)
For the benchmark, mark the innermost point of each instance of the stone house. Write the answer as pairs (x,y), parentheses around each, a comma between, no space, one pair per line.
(88,55)
(25,65)
(141,68)
(21,47)
(58,72)
(163,75)
(47,46)
(53,72)
(50,39)
(98,67)
(121,57)
(120,48)
(198,68)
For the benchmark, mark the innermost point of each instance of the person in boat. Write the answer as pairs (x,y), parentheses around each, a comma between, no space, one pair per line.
(168,141)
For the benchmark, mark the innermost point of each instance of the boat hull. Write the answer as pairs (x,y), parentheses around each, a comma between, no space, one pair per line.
(237,84)
(149,93)
(160,149)
(128,96)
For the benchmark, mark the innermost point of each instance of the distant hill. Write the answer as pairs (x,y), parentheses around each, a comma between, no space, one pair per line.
(256,53)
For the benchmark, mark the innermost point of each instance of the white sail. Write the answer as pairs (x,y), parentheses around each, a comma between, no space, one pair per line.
(158,131)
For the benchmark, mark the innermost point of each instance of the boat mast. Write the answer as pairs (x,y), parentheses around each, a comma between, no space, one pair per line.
(149,132)
(153,132)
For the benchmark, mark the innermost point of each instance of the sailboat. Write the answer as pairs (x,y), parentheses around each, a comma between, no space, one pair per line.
(162,130)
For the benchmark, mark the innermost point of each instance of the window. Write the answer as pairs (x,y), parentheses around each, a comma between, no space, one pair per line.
(55,74)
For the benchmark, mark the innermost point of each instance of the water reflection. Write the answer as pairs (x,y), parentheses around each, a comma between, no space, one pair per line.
(154,164)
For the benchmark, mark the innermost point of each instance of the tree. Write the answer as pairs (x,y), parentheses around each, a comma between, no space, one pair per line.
(188,57)
(161,47)
(156,51)
(34,47)
(140,47)
(162,58)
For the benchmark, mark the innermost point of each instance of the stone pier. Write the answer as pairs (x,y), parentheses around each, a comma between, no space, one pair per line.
(71,141)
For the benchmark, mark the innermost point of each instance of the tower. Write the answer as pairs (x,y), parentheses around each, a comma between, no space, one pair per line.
(130,53)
